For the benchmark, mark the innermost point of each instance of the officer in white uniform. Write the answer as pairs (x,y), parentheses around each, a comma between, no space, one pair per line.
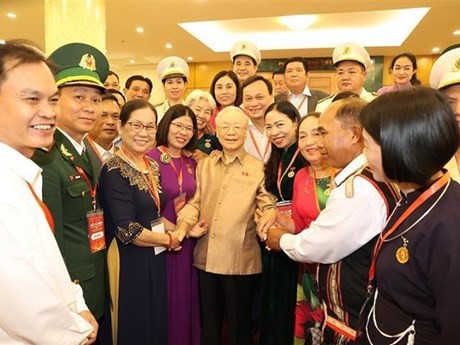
(445,76)
(173,73)
(246,59)
(352,63)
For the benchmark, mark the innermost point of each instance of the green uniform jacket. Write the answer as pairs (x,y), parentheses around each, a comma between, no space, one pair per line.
(68,197)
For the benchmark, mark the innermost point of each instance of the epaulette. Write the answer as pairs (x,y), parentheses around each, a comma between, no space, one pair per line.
(349,189)
(325,98)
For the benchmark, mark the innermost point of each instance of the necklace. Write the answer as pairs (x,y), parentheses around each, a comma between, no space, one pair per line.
(130,162)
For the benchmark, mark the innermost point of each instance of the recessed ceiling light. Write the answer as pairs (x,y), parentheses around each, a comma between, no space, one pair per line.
(189,58)
(140,29)
(298,23)
(2,41)
(168,45)
(435,50)
(11,15)
(457,32)
(132,61)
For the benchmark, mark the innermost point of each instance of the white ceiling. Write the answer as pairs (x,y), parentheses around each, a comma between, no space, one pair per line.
(160,22)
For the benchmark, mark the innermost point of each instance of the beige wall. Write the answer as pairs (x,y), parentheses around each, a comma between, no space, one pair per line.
(202,73)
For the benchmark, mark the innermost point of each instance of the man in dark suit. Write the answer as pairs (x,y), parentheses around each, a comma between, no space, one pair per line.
(295,75)
(99,141)
(69,178)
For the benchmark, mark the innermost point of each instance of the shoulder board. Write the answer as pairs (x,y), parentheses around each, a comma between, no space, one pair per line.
(325,98)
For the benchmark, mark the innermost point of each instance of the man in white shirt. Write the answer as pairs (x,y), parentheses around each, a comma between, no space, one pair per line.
(295,76)
(352,63)
(341,239)
(257,96)
(40,304)
(99,141)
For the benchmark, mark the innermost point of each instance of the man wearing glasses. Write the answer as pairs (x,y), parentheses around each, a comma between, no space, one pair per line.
(228,256)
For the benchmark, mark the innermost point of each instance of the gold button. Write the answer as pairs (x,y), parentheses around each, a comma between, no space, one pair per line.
(83,193)
(77,281)
(212,236)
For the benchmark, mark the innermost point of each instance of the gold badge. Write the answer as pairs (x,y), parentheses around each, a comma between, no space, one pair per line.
(346,51)
(291,174)
(207,144)
(402,253)
(88,62)
(456,67)
(165,158)
(243,47)
(327,192)
(172,64)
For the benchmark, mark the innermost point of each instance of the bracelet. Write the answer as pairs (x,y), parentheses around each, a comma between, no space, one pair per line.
(170,239)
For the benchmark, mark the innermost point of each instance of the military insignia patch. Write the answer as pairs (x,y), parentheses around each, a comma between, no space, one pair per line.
(456,67)
(88,62)
(346,51)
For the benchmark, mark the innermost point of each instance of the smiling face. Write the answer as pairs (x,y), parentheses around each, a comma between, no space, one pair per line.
(225,91)
(174,88)
(139,89)
(403,70)
(256,99)
(28,107)
(232,130)
(80,109)
(244,67)
(309,137)
(350,76)
(137,142)
(203,111)
(180,132)
(280,129)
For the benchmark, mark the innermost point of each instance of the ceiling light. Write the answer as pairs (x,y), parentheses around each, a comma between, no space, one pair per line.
(11,15)
(2,41)
(168,45)
(298,23)
(140,29)
(435,50)
(189,58)
(457,32)
(132,61)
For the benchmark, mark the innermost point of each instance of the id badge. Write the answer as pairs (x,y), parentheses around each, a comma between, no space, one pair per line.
(158,226)
(96,235)
(179,202)
(284,207)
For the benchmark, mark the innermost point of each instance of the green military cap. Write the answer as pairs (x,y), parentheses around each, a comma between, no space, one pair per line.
(80,64)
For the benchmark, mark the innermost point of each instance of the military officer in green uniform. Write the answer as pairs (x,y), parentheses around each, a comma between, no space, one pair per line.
(69,178)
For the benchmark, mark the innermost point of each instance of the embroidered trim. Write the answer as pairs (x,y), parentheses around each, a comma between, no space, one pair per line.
(128,235)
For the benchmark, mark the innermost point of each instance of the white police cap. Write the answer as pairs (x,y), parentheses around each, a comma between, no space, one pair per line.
(351,51)
(446,70)
(246,48)
(172,66)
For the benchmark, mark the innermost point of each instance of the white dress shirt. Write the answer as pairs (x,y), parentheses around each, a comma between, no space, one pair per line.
(40,304)
(301,101)
(345,224)
(366,95)
(255,137)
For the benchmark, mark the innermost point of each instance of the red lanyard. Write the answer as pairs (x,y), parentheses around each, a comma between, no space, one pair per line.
(46,211)
(173,166)
(416,204)
(262,157)
(280,176)
(151,185)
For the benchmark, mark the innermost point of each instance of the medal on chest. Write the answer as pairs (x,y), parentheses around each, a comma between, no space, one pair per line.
(207,143)
(402,253)
(165,158)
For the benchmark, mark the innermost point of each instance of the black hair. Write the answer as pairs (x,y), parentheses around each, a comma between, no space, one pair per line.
(254,78)
(171,114)
(141,78)
(271,167)
(109,96)
(113,73)
(131,106)
(414,81)
(296,59)
(344,95)
(416,130)
(232,75)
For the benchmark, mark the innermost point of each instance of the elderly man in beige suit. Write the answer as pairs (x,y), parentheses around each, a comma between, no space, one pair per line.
(230,187)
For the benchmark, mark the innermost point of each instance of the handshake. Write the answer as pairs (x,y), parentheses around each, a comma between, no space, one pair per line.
(175,237)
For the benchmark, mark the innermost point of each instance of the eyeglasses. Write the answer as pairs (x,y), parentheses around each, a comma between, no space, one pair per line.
(137,127)
(226,128)
(180,127)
